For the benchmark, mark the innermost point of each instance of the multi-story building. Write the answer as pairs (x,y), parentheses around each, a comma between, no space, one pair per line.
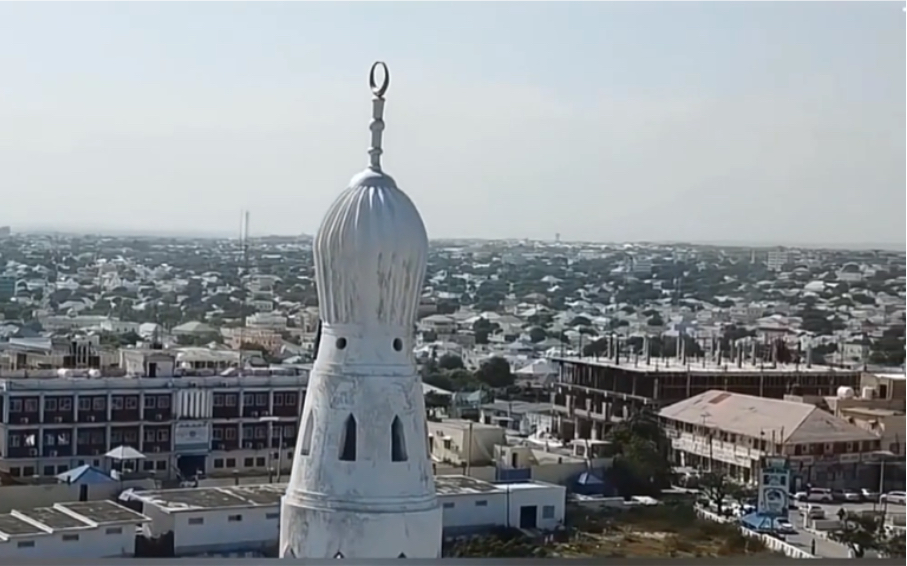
(777,259)
(190,424)
(7,286)
(593,393)
(719,430)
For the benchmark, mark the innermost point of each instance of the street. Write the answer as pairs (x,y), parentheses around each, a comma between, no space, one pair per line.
(826,548)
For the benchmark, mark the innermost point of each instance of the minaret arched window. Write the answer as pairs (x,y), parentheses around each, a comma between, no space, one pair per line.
(307,433)
(398,441)
(348,440)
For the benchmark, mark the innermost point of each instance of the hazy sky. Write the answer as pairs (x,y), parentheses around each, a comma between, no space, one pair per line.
(755,122)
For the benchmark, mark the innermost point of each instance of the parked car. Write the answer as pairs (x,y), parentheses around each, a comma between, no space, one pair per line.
(869,495)
(816,495)
(894,497)
(813,512)
(851,496)
(785,527)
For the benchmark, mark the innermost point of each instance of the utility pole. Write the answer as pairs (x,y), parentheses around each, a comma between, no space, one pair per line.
(244,243)
(469,450)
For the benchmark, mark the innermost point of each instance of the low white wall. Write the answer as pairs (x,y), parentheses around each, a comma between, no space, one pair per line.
(771,543)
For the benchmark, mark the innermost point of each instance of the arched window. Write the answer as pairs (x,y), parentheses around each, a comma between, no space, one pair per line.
(307,433)
(348,440)
(398,441)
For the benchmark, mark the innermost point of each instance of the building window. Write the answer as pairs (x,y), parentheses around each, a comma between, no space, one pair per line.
(132,402)
(234,518)
(25,544)
(196,520)
(218,463)
(307,434)
(70,538)
(150,402)
(448,505)
(259,462)
(218,399)
(548,512)
(50,405)
(348,440)
(272,516)
(113,531)
(160,465)
(482,503)
(249,462)
(398,441)
(231,463)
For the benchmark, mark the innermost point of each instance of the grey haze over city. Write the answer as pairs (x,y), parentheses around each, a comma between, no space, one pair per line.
(708,122)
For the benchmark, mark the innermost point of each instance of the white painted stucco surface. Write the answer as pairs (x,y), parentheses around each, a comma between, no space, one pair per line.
(370,256)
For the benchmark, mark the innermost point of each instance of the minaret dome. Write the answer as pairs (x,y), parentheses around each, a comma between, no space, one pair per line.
(371,249)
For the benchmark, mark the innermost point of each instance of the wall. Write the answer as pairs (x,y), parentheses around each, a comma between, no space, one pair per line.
(31,496)
(258,526)
(92,543)
(463,513)
(553,497)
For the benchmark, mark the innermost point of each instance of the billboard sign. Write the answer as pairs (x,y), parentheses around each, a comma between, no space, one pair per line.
(191,436)
(773,498)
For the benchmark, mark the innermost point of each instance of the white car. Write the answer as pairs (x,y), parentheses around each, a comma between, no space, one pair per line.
(785,527)
(894,497)
(820,495)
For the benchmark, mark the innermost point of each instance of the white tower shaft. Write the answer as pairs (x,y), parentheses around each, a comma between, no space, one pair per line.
(362,484)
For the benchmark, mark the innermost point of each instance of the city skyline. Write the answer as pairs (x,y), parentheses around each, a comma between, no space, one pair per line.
(776,124)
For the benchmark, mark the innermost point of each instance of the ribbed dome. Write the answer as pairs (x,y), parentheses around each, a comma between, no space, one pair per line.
(370,255)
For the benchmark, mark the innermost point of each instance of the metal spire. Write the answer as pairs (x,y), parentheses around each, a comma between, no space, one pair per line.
(377,123)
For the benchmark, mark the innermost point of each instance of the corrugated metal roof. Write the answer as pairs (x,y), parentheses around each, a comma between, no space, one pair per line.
(792,422)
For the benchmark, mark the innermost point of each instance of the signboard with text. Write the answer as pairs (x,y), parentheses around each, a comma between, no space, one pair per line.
(191,436)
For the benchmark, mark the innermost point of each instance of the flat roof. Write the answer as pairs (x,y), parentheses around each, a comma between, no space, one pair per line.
(54,518)
(104,512)
(698,366)
(463,485)
(177,500)
(268,495)
(14,526)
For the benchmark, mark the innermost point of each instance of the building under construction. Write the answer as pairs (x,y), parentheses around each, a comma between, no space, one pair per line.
(593,393)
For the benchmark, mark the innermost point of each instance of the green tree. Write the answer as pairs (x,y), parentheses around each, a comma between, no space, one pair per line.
(537,334)
(641,467)
(860,533)
(450,362)
(495,372)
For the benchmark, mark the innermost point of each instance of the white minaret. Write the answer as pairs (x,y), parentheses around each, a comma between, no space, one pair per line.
(362,484)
